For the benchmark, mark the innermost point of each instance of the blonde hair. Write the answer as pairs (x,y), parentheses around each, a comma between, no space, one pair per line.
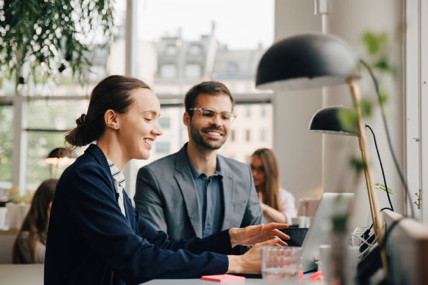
(271,171)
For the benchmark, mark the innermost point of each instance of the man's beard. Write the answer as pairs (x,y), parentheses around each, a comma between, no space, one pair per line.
(207,143)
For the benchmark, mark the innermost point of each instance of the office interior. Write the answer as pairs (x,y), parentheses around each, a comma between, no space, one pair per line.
(312,163)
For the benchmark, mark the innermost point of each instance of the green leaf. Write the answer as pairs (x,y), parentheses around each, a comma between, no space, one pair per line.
(357,164)
(382,187)
(366,108)
(383,98)
(348,119)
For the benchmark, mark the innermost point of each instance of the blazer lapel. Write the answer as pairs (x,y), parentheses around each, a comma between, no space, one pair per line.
(184,178)
(228,189)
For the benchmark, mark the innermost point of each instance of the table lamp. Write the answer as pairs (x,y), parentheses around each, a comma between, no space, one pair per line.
(319,60)
(60,156)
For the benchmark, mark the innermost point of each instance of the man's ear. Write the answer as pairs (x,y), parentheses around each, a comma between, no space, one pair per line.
(111,119)
(186,119)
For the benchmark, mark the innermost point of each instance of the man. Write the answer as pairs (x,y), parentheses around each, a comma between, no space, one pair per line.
(196,192)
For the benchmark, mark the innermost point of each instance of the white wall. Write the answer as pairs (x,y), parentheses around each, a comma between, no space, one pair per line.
(298,150)
(309,162)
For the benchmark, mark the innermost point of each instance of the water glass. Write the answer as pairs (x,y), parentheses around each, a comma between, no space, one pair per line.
(280,263)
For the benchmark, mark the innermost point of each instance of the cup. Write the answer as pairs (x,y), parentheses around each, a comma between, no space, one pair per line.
(280,264)
(299,221)
(325,253)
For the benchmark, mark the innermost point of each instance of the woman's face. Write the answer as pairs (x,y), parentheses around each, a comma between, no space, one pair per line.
(258,171)
(139,126)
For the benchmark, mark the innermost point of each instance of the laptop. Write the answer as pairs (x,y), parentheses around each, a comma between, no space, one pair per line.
(320,229)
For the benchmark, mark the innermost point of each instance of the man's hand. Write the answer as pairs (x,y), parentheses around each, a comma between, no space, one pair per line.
(255,234)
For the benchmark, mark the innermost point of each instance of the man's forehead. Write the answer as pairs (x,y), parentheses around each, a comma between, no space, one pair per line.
(205,98)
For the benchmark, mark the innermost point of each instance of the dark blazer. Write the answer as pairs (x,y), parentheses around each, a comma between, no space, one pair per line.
(91,242)
(166,196)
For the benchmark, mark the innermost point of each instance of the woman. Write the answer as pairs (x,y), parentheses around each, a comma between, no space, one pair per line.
(96,237)
(277,204)
(30,244)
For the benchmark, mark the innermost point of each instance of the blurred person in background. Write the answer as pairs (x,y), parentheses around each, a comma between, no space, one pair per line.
(30,244)
(277,204)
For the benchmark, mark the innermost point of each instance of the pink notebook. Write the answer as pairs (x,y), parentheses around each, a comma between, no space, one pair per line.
(223,278)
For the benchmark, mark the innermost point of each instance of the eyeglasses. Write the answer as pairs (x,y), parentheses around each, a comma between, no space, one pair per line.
(259,169)
(226,117)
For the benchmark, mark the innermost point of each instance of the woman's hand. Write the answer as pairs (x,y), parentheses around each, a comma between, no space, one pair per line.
(255,234)
(250,262)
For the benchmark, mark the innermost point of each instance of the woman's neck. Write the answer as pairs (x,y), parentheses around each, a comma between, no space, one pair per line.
(112,151)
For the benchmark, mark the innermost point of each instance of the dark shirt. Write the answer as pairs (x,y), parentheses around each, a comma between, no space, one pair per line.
(209,190)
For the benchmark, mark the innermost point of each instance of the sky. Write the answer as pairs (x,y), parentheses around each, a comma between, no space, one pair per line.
(240,24)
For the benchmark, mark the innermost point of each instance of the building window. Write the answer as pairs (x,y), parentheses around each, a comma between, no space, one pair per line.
(232,67)
(162,147)
(195,49)
(164,122)
(193,71)
(232,135)
(248,135)
(263,135)
(168,71)
(248,111)
(263,111)
(171,50)
(6,144)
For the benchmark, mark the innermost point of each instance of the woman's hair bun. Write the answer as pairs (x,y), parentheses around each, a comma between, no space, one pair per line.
(81,121)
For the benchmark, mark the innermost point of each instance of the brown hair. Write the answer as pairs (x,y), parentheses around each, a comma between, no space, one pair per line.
(37,220)
(271,171)
(111,93)
(206,87)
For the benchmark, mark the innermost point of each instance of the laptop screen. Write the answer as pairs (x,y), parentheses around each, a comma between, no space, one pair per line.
(320,229)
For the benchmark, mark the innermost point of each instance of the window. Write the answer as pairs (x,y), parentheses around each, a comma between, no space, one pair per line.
(164,122)
(47,122)
(162,147)
(248,111)
(171,50)
(263,135)
(248,135)
(232,67)
(210,42)
(193,71)
(195,49)
(6,145)
(263,111)
(168,71)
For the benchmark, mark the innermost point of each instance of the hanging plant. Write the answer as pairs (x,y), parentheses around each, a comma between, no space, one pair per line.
(54,34)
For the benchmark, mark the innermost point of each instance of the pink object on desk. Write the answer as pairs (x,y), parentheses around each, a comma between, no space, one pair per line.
(223,278)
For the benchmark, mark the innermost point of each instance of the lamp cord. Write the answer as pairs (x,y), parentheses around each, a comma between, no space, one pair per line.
(381,167)
(400,173)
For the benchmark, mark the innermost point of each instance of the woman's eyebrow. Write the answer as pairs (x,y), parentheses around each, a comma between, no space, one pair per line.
(153,112)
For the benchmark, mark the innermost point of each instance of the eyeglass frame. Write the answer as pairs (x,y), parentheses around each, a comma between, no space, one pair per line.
(232,116)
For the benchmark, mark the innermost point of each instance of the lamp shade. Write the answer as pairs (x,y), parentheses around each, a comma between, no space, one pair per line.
(307,61)
(335,120)
(60,155)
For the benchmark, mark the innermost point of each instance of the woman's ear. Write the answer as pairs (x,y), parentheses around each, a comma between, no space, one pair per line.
(111,119)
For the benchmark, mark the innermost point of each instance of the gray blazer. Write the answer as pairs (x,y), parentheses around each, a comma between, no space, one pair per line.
(166,196)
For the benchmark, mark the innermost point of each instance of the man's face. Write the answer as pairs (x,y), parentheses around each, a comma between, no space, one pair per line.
(205,132)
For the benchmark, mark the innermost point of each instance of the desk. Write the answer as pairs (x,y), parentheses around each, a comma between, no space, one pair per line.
(28,274)
(254,281)
(199,282)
